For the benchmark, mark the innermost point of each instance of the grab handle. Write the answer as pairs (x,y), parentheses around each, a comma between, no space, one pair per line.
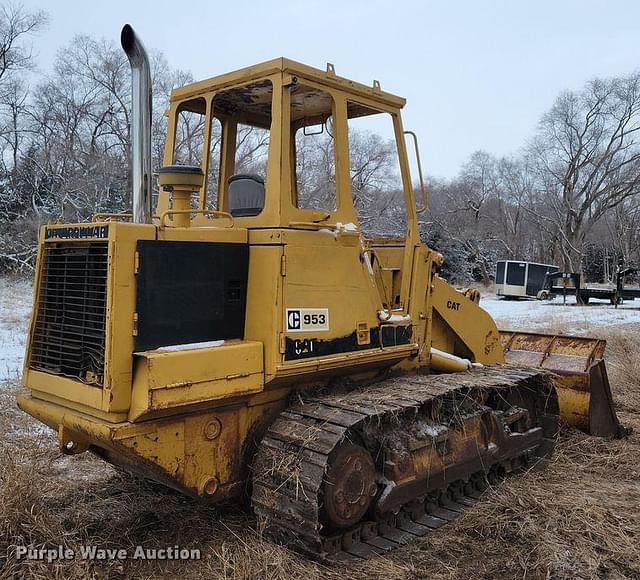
(425,200)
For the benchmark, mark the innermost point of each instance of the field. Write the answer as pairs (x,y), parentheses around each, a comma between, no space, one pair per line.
(576,519)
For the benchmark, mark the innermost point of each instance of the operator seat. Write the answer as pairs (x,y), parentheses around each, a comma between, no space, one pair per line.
(245,194)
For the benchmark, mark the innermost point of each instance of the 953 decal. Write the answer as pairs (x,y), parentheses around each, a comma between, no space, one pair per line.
(307,319)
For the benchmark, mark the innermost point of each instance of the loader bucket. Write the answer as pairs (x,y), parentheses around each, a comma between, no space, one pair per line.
(583,388)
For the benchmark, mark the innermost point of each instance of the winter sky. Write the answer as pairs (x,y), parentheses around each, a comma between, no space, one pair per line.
(477,74)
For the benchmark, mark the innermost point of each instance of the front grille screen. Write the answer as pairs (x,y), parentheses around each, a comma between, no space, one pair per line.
(69,334)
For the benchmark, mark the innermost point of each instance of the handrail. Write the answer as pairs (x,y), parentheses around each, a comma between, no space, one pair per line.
(425,200)
(213,212)
(105,217)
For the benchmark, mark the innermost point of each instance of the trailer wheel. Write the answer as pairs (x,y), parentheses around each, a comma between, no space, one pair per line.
(543,295)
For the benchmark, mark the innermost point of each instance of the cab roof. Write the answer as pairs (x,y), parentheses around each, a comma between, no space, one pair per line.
(284,65)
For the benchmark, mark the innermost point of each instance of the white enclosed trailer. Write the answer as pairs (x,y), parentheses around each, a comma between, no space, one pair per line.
(516,279)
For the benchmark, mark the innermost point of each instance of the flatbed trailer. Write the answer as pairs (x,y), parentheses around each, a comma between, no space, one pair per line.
(569,284)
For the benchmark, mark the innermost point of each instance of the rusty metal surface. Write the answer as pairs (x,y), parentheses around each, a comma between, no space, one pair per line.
(603,420)
(585,348)
(584,392)
(434,441)
(350,485)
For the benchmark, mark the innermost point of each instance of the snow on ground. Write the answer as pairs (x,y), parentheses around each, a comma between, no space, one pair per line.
(549,315)
(15,309)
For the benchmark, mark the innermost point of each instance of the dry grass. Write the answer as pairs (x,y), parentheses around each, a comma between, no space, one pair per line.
(623,360)
(576,519)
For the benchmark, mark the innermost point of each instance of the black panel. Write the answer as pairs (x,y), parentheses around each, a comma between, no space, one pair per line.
(515,273)
(190,292)
(535,278)
(312,347)
(396,335)
(500,273)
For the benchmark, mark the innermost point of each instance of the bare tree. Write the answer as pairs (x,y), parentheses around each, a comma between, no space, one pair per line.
(587,160)
(623,229)
(16,27)
(376,184)
(64,152)
(64,149)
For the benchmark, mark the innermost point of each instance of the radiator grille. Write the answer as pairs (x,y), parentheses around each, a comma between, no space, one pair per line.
(69,333)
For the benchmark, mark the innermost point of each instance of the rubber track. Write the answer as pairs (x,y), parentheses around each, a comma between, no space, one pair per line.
(293,457)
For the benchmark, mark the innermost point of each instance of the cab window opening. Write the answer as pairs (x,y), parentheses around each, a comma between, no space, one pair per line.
(313,151)
(376,178)
(189,140)
(246,112)
(189,136)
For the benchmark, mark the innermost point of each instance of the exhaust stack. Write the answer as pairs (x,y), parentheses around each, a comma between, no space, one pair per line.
(140,124)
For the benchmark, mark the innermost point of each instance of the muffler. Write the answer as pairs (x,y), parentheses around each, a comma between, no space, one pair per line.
(141,103)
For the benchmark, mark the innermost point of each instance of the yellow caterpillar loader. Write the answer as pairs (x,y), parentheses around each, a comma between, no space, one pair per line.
(243,338)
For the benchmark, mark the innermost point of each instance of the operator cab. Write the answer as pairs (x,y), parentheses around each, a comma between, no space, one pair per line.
(282,143)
